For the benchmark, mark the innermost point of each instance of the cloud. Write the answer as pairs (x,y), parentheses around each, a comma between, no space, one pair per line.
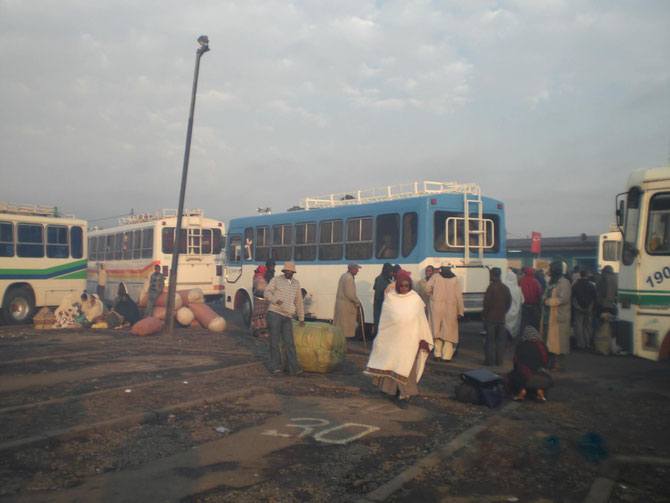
(507,94)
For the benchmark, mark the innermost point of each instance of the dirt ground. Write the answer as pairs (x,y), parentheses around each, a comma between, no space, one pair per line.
(105,415)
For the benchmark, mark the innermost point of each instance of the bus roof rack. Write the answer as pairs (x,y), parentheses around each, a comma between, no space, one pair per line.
(158,215)
(389,192)
(31,209)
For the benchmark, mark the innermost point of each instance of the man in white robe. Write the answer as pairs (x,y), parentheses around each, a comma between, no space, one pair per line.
(403,343)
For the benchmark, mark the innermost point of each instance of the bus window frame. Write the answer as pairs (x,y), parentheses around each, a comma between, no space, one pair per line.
(352,246)
(237,261)
(147,250)
(324,253)
(459,232)
(306,245)
(266,243)
(56,248)
(279,251)
(631,227)
(76,242)
(7,245)
(23,246)
(665,250)
(384,250)
(407,246)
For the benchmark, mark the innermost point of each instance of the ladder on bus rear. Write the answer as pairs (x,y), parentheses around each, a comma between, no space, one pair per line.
(474,228)
(194,234)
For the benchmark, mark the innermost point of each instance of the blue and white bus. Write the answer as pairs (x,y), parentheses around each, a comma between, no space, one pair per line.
(414,225)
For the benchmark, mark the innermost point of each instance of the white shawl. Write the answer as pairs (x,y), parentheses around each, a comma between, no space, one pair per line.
(513,316)
(402,326)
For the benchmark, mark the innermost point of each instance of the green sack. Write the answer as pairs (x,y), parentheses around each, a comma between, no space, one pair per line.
(320,346)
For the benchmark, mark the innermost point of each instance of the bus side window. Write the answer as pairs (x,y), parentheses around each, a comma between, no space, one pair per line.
(305,242)
(6,239)
(118,246)
(235,249)
(218,241)
(282,240)
(76,242)
(410,222)
(148,243)
(109,247)
(128,245)
(387,236)
(248,243)
(631,225)
(137,244)
(658,228)
(30,242)
(57,245)
(359,238)
(330,240)
(101,248)
(167,239)
(92,248)
(262,243)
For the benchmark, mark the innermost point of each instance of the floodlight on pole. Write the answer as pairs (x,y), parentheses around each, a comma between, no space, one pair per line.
(172,285)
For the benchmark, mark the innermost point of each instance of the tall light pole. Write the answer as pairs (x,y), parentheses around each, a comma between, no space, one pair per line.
(172,286)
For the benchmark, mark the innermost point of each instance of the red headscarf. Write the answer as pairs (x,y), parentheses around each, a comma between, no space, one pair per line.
(402,275)
(260,271)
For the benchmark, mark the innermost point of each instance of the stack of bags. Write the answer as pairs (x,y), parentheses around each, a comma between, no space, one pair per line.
(190,310)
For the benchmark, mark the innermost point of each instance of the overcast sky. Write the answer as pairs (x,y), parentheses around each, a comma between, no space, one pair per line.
(546,104)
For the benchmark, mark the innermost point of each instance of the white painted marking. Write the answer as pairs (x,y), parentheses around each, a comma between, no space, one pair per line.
(366,429)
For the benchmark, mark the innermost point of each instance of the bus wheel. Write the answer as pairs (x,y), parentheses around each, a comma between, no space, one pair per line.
(243,306)
(18,306)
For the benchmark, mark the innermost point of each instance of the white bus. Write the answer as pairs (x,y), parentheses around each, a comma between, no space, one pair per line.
(643,212)
(414,225)
(42,259)
(609,250)
(130,251)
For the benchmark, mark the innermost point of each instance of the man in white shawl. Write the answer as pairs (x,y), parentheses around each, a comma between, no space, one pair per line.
(403,343)
(513,316)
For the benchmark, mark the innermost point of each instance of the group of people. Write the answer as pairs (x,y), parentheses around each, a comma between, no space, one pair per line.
(411,320)
(88,309)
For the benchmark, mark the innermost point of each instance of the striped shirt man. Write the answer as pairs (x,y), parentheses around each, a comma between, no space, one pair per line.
(290,295)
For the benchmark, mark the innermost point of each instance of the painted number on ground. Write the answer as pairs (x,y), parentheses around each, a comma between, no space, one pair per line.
(332,435)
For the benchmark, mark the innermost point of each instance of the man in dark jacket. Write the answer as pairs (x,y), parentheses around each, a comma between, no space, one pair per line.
(497,301)
(381,282)
(583,302)
(532,293)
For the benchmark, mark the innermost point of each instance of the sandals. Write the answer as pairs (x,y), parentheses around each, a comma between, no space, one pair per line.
(520,396)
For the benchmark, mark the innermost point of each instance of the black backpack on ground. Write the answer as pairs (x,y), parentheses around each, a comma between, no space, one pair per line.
(480,386)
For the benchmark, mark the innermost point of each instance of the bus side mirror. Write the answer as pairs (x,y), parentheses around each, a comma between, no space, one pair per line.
(619,214)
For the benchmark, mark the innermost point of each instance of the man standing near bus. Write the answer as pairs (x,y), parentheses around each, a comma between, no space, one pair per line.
(346,302)
(102,281)
(156,287)
(446,308)
(285,298)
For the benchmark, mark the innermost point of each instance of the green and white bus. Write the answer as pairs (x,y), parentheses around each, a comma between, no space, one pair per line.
(42,258)
(643,213)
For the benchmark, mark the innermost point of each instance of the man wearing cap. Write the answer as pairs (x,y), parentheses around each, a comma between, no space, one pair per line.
(285,298)
(446,307)
(346,302)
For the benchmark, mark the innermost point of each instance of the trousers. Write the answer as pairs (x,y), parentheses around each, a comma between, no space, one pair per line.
(494,347)
(281,337)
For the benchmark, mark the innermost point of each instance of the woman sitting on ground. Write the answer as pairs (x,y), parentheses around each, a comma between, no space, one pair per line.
(531,360)
(403,343)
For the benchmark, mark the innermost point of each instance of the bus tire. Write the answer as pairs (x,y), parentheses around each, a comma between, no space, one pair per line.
(18,306)
(244,307)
